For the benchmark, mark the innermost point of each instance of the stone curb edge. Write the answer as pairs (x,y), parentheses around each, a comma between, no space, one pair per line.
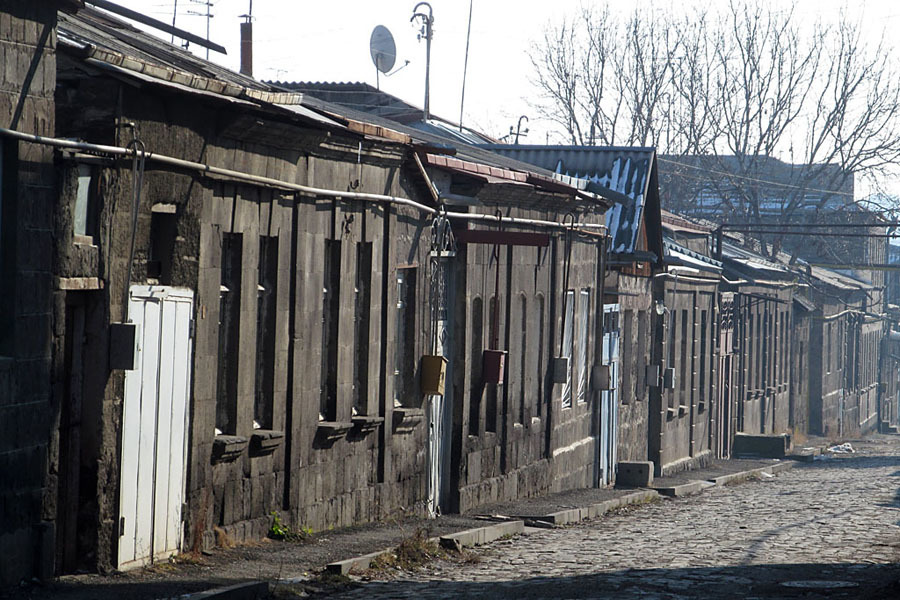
(461,539)
(573,515)
(251,590)
(772,469)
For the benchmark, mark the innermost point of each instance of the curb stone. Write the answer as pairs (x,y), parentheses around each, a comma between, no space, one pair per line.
(251,590)
(461,539)
(684,489)
(573,515)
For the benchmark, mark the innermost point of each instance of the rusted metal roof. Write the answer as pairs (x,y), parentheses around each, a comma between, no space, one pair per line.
(629,172)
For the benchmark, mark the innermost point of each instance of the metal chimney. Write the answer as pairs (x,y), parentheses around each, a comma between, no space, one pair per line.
(247,46)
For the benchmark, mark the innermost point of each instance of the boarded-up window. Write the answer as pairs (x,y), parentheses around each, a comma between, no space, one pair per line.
(628,365)
(229,332)
(641,355)
(541,375)
(703,358)
(475,352)
(523,352)
(267,288)
(362,319)
(331,304)
(491,391)
(670,362)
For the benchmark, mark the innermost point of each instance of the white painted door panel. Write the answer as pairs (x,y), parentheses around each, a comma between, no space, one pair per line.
(154,426)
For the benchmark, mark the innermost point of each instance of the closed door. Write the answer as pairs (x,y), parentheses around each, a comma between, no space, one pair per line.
(154,444)
(609,400)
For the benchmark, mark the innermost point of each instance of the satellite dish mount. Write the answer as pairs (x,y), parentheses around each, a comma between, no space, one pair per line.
(383,51)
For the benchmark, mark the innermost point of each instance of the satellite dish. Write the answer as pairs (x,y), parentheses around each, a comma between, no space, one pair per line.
(383,49)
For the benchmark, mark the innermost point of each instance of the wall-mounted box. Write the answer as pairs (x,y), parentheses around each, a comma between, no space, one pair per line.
(493,366)
(600,378)
(669,379)
(560,369)
(122,346)
(433,374)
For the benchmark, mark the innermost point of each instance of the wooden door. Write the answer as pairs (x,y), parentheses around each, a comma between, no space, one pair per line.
(609,399)
(154,442)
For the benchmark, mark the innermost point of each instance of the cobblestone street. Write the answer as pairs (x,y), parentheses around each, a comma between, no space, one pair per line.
(826,529)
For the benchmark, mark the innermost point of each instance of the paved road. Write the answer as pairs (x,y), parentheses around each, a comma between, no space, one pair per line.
(835,521)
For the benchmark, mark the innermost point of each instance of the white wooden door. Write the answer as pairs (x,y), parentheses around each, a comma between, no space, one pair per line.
(609,400)
(155,415)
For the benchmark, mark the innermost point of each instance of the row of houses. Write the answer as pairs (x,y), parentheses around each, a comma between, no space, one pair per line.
(224,299)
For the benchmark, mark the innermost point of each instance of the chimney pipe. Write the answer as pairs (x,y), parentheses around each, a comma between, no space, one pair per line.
(247,47)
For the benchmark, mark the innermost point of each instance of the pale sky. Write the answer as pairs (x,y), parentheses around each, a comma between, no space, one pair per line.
(312,40)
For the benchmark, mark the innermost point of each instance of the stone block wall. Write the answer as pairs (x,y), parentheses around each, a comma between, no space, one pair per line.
(28,415)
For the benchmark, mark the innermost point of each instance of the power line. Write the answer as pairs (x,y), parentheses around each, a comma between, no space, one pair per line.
(755,179)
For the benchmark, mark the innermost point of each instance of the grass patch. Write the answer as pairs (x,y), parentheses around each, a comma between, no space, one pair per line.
(281,531)
(412,553)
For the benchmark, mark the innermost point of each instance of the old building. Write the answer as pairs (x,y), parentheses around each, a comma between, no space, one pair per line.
(258,299)
(33,424)
(629,177)
(536,300)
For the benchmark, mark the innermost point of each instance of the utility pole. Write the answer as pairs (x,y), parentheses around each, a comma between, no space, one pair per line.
(208,14)
(426,32)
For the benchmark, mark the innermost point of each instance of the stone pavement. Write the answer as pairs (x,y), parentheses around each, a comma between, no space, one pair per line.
(828,529)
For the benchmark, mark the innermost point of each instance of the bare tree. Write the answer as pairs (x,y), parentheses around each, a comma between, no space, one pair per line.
(722,96)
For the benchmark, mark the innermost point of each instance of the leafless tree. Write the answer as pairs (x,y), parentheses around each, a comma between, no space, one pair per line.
(722,96)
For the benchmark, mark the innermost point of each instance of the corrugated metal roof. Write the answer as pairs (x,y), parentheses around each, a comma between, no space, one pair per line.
(630,172)
(677,254)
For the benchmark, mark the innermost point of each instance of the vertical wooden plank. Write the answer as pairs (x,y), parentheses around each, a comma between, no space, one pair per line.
(131,424)
(181,355)
(163,425)
(147,433)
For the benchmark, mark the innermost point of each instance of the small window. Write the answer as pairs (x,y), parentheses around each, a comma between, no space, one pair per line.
(229,332)
(162,243)
(581,375)
(475,352)
(567,344)
(266,298)
(331,305)
(541,375)
(362,310)
(491,392)
(523,360)
(404,340)
(84,217)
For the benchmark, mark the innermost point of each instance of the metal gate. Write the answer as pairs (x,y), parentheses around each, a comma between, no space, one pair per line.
(609,399)
(154,425)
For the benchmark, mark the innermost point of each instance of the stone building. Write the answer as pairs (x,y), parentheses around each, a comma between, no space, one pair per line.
(252,292)
(629,177)
(30,411)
